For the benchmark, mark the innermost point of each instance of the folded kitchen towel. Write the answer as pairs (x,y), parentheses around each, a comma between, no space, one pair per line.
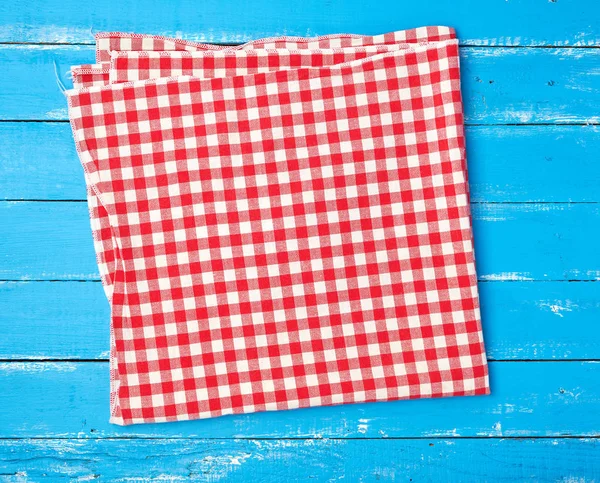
(293,237)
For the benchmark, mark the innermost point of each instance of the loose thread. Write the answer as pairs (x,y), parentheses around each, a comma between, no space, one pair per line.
(61,86)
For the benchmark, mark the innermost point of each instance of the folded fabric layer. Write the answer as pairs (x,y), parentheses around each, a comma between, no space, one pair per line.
(107,42)
(134,66)
(286,239)
(118,41)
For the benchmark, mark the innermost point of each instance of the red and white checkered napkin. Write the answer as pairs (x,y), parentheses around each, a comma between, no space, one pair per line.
(287,238)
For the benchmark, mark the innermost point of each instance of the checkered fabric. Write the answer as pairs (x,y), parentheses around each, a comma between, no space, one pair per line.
(287,239)
(100,73)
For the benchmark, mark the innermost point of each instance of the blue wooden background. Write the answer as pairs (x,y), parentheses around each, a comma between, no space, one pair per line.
(531,85)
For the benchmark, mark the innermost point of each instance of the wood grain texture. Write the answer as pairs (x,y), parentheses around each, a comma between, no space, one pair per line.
(47,169)
(60,320)
(69,399)
(521,320)
(540,320)
(258,461)
(52,241)
(506,163)
(523,22)
(524,241)
(500,85)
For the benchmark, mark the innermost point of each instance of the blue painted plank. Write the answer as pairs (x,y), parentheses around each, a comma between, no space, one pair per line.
(536,241)
(542,460)
(522,320)
(52,241)
(533,163)
(506,163)
(525,86)
(44,169)
(60,320)
(528,399)
(525,22)
(500,85)
(541,320)
(48,241)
